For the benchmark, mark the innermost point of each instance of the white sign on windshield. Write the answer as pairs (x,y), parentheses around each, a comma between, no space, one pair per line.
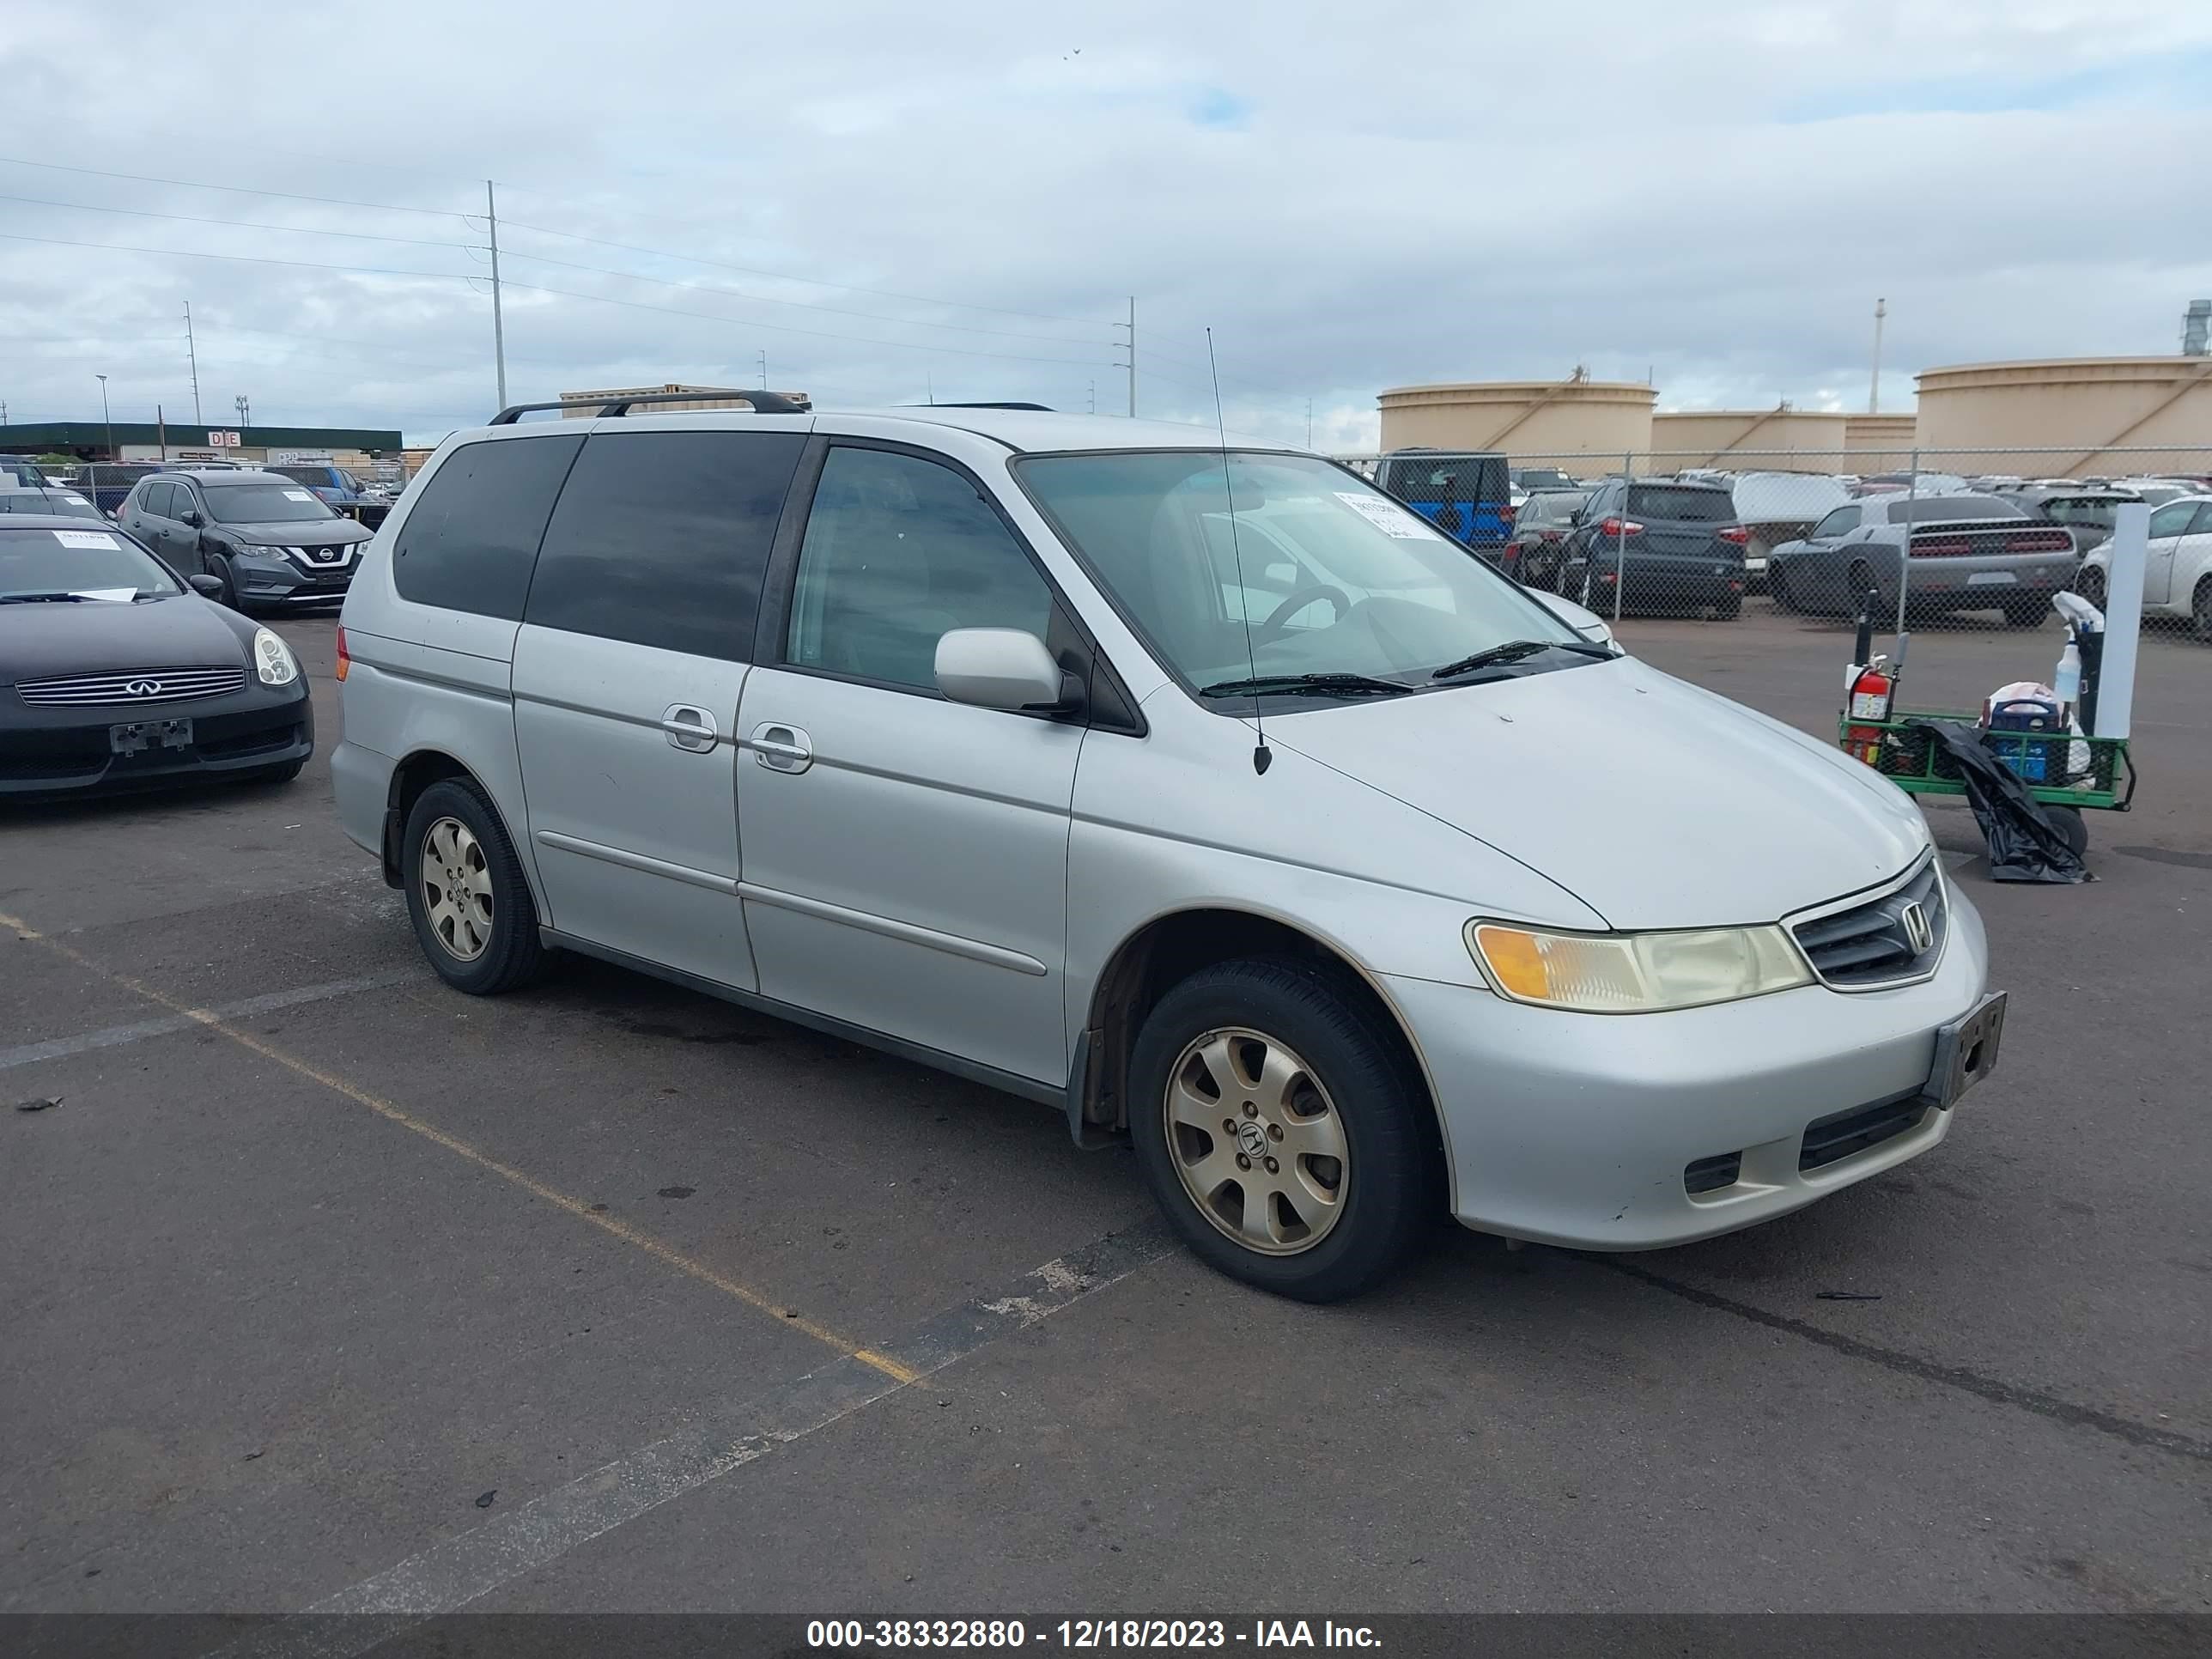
(86,539)
(1388,517)
(297,495)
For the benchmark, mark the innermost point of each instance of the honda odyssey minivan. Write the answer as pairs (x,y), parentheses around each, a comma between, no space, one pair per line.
(1198,790)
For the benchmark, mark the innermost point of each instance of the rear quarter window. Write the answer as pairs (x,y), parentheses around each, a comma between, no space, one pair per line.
(472,537)
(662,539)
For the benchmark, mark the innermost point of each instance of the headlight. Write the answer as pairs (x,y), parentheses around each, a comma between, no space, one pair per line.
(1636,973)
(273,660)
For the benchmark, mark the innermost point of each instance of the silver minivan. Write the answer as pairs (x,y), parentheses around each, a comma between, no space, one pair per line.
(1198,790)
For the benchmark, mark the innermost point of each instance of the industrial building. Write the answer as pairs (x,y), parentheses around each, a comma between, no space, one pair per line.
(131,441)
(1778,439)
(2064,417)
(587,403)
(1574,416)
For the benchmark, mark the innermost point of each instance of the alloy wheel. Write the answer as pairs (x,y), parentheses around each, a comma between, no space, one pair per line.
(456,889)
(1256,1140)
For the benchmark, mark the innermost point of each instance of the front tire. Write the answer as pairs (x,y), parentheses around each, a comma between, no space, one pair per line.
(229,578)
(2199,612)
(471,908)
(1281,1130)
(2090,585)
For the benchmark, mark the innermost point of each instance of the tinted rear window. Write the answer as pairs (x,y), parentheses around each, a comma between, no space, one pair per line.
(662,539)
(473,535)
(1445,478)
(1935,509)
(1682,505)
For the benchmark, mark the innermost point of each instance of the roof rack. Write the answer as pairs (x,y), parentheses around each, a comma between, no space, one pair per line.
(762,402)
(1042,409)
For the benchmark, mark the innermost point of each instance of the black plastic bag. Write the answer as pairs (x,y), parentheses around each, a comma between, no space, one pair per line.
(2023,844)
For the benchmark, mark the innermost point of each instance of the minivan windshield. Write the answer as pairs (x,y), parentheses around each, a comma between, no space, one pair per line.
(262,503)
(1322,574)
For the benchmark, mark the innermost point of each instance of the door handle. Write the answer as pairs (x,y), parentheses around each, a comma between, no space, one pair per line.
(781,748)
(689,728)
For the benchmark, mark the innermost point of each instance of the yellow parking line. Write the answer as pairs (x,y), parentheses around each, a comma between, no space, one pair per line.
(666,1253)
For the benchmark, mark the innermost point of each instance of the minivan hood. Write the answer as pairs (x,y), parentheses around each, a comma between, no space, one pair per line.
(37,642)
(1657,803)
(298,533)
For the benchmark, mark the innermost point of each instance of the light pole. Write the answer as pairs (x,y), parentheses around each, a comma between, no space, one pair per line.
(106,420)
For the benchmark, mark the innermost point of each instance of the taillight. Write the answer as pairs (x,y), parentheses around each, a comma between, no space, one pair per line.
(1620,527)
(1735,533)
(1942,547)
(345,661)
(1505,515)
(2039,541)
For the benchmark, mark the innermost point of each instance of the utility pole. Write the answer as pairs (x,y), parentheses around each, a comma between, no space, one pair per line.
(161,432)
(105,419)
(498,321)
(1874,391)
(192,352)
(244,411)
(1131,364)
(1091,394)
(1308,423)
(763,357)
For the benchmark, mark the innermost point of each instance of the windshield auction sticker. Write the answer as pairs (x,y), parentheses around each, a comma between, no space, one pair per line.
(1386,516)
(86,539)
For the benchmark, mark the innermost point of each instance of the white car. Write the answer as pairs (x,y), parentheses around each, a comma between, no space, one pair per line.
(2176,574)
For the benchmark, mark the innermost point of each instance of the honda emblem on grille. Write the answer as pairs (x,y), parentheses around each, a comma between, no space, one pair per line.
(1918,933)
(143,687)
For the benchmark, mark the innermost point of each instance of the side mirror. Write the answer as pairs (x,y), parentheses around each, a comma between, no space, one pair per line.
(209,588)
(1003,668)
(192,518)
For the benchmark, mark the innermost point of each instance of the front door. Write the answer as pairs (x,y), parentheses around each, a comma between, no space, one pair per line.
(628,668)
(906,857)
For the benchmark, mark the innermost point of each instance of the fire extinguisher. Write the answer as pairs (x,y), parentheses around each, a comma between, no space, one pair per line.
(1867,690)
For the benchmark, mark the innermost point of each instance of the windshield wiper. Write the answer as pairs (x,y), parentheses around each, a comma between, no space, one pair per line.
(1297,685)
(1514,650)
(44,599)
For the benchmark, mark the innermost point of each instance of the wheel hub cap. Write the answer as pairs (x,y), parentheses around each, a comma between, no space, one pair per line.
(1256,1141)
(457,890)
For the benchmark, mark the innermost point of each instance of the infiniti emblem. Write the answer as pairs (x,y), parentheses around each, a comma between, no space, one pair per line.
(143,687)
(1917,932)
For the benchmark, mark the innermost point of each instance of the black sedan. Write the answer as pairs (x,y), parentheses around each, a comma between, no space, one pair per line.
(116,674)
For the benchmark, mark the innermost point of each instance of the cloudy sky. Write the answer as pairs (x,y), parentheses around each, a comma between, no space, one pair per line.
(894,201)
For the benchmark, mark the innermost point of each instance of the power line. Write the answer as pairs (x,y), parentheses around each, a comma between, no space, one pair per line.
(242,224)
(786,277)
(245,259)
(763,298)
(236,190)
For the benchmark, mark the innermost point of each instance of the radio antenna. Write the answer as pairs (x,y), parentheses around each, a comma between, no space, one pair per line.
(1261,757)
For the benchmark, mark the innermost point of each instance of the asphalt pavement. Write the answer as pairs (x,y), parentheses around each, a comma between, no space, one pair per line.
(326,1287)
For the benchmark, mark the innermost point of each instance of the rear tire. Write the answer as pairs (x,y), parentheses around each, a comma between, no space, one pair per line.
(1727,609)
(1777,588)
(479,928)
(1280,1054)
(2069,822)
(2199,612)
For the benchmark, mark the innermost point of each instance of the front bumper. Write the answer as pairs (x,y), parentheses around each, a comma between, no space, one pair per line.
(1591,1131)
(49,753)
(280,581)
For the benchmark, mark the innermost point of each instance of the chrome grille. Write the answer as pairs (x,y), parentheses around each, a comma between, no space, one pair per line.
(140,685)
(1888,940)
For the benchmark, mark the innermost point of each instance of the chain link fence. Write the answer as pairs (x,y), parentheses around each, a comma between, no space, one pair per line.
(1943,540)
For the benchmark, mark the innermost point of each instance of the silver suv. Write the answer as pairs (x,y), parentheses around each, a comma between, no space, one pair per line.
(1199,791)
